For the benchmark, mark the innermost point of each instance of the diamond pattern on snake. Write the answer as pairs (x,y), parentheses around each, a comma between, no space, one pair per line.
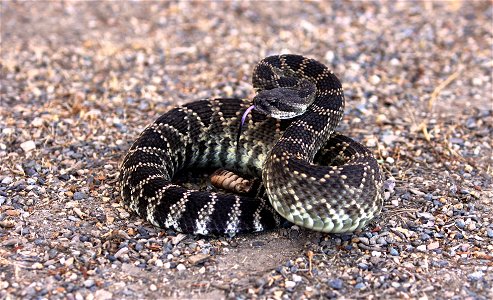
(310,175)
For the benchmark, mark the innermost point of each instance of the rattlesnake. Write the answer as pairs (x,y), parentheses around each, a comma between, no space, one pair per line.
(311,176)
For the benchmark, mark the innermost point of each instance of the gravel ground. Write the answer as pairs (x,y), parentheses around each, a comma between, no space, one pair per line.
(80,80)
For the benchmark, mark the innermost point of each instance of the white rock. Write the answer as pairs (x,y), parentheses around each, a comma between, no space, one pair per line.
(37,266)
(374,79)
(290,284)
(297,278)
(181,267)
(330,56)
(153,287)
(28,146)
(37,122)
(477,81)
(8,131)
(421,248)
(120,252)
(103,295)
(7,180)
(395,62)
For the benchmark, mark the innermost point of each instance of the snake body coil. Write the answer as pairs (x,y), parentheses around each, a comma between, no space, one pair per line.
(312,176)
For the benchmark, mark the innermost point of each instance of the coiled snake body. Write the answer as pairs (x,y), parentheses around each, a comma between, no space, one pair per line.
(312,176)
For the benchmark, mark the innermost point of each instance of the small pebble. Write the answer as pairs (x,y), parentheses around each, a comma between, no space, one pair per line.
(103,295)
(433,246)
(374,79)
(476,276)
(37,265)
(198,258)
(7,180)
(28,146)
(360,286)
(336,284)
(460,223)
(121,252)
(289,284)
(79,196)
(394,252)
(88,283)
(181,267)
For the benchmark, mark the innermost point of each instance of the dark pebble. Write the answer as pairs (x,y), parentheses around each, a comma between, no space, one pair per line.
(346,237)
(258,243)
(143,232)
(437,203)
(30,172)
(64,177)
(440,263)
(336,284)
(170,232)
(139,247)
(43,292)
(363,266)
(406,196)
(52,253)
(70,287)
(259,282)
(438,235)
(424,237)
(111,257)
(489,232)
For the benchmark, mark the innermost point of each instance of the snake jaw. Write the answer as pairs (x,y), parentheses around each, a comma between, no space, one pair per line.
(242,122)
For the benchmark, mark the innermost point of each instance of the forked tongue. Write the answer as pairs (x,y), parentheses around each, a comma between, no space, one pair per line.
(243,118)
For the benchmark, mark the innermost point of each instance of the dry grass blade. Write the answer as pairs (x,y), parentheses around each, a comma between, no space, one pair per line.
(440,87)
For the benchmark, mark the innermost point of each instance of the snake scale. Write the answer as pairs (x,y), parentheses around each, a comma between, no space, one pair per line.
(311,176)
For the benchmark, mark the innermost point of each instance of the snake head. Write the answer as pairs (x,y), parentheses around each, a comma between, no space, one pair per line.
(285,102)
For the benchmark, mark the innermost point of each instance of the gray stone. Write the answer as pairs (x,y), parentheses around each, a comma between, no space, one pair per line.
(79,196)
